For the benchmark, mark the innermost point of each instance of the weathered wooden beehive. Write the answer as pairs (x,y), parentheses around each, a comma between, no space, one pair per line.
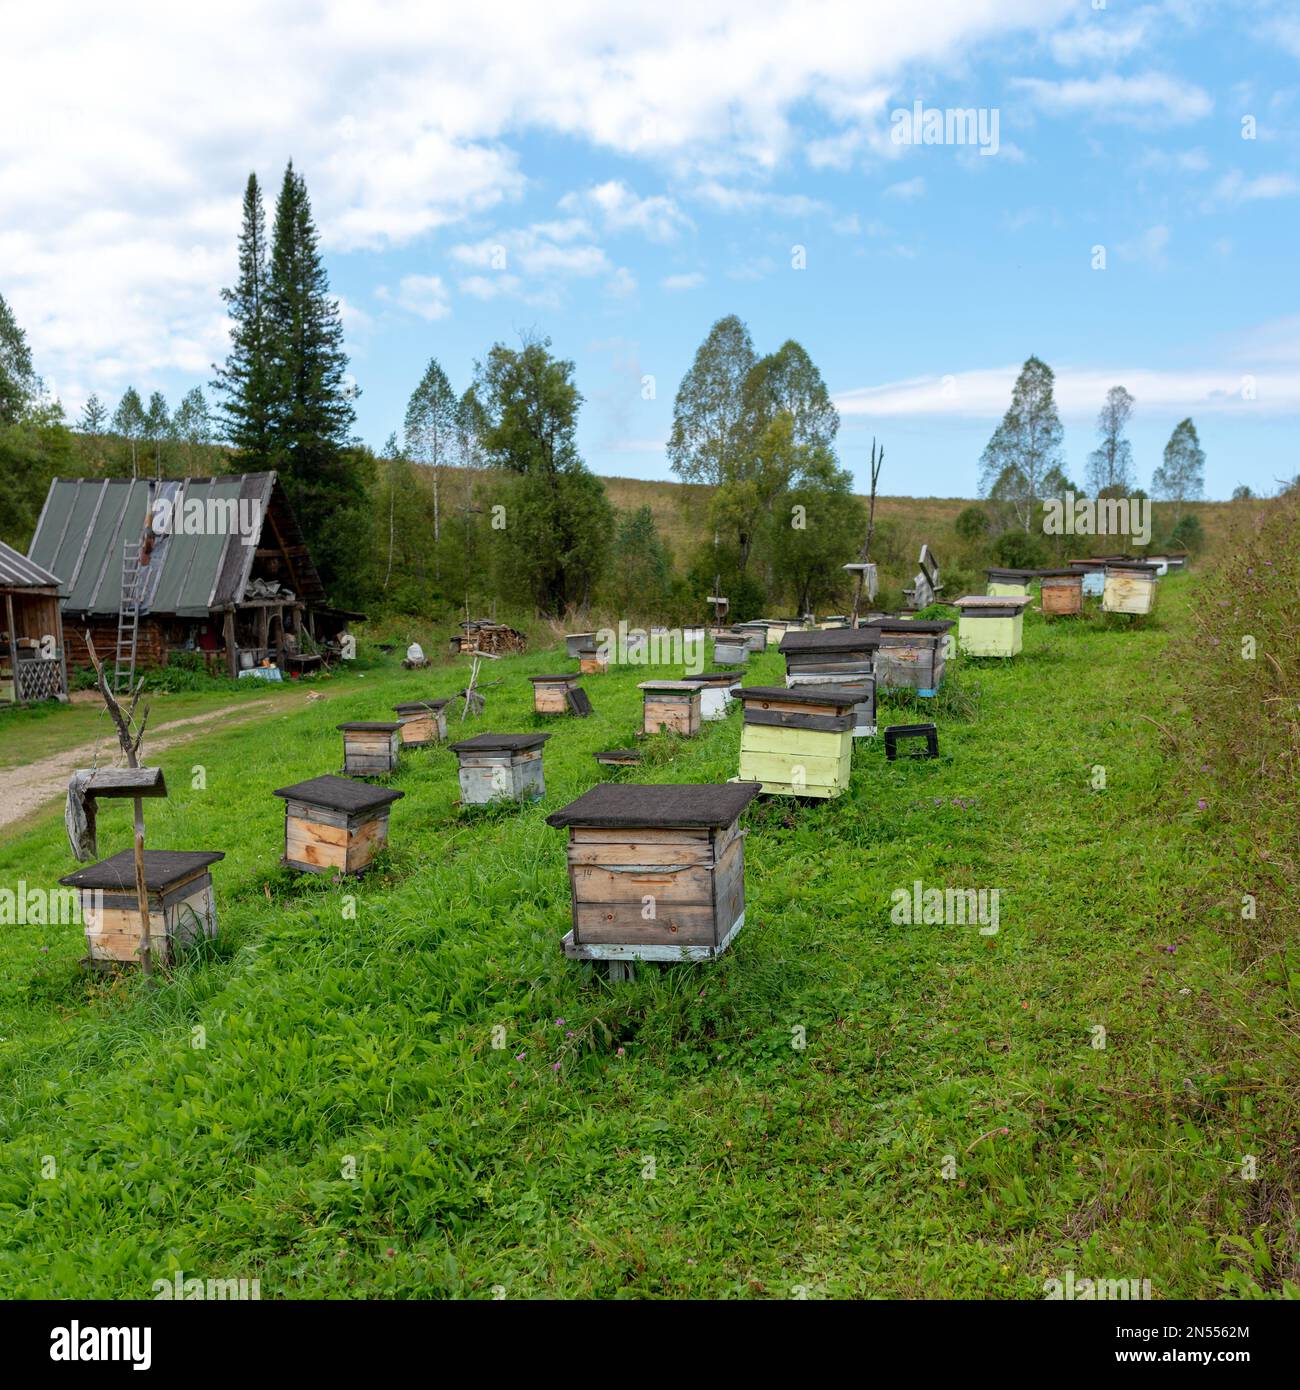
(991,624)
(671,707)
(912,653)
(423,722)
(656,872)
(370,749)
(730,648)
(592,661)
(1130,587)
(178,894)
(619,757)
(334,824)
(551,693)
(1009,583)
(755,635)
(1093,573)
(836,656)
(501,767)
(797,742)
(576,642)
(716,692)
(1062,593)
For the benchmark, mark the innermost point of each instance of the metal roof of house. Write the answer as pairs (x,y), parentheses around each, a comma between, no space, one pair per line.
(18,572)
(86,521)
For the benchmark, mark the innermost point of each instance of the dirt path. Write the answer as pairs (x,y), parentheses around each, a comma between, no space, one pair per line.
(26,789)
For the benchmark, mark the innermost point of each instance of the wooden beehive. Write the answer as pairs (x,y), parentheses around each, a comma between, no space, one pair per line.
(551,693)
(576,642)
(422,722)
(836,656)
(1130,587)
(716,692)
(1061,592)
(730,648)
(592,661)
(334,824)
(1093,574)
(671,707)
(178,894)
(501,767)
(1009,583)
(912,653)
(619,757)
(656,872)
(755,635)
(370,749)
(991,625)
(797,742)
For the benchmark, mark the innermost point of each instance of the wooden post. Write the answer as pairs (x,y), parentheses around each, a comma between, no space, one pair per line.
(871,526)
(13,646)
(232,651)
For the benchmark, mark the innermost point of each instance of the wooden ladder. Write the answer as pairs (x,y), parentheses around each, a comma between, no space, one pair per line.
(128,619)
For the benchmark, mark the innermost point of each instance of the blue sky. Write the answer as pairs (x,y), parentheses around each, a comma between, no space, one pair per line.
(617,179)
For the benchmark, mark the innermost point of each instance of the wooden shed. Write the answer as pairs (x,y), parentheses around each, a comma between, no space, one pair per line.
(912,653)
(501,767)
(551,693)
(671,707)
(1009,583)
(717,691)
(422,722)
(370,748)
(991,624)
(1061,593)
(1130,587)
(1093,573)
(656,872)
(179,896)
(730,648)
(33,663)
(797,742)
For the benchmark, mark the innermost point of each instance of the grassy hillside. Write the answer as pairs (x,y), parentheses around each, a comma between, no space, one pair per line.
(320,1104)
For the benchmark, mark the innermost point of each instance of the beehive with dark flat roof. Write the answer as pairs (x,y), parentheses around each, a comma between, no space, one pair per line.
(551,693)
(912,653)
(501,767)
(841,656)
(1093,573)
(797,741)
(991,624)
(334,824)
(370,748)
(655,872)
(423,722)
(1061,593)
(1009,583)
(671,707)
(716,692)
(730,648)
(178,889)
(1130,587)
(593,661)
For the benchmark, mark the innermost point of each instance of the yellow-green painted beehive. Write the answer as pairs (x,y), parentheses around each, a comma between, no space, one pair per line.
(797,742)
(991,625)
(1004,583)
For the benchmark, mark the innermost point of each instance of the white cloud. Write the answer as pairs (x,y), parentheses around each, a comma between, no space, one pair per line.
(907,190)
(1148,248)
(1153,98)
(1235,188)
(676,283)
(1102,38)
(723,198)
(620,210)
(423,295)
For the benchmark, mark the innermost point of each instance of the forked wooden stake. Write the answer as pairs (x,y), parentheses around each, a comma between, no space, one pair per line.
(131,749)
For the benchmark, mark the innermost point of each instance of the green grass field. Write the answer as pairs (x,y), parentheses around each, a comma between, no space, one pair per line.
(319,1104)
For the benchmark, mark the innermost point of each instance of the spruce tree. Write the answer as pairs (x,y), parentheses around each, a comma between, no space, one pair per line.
(18,384)
(94,416)
(247,381)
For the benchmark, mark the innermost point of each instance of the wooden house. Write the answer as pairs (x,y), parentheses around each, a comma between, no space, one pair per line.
(1093,574)
(551,693)
(797,742)
(836,656)
(370,748)
(334,824)
(423,722)
(911,653)
(178,890)
(1130,587)
(671,707)
(1009,583)
(730,648)
(217,567)
(501,767)
(33,662)
(656,872)
(991,624)
(717,691)
(1061,593)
